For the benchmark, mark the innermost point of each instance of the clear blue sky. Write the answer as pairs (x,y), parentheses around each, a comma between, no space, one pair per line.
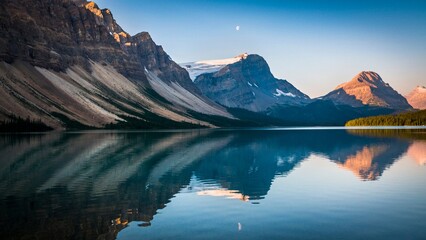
(314,44)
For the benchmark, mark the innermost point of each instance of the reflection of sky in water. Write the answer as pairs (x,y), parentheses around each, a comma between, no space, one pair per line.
(214,184)
(316,199)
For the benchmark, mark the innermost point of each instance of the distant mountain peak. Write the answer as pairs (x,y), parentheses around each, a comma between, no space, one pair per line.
(417,97)
(242,56)
(367,88)
(245,81)
(368,76)
(364,78)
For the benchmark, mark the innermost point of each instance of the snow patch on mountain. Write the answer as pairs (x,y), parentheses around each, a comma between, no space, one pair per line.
(281,93)
(209,66)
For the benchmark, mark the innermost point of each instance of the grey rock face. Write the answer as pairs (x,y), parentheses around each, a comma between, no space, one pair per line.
(249,84)
(57,34)
(156,60)
(104,72)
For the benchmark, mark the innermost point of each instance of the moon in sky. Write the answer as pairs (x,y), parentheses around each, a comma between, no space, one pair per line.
(237,28)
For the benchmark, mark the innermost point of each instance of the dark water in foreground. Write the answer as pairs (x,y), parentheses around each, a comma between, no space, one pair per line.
(258,184)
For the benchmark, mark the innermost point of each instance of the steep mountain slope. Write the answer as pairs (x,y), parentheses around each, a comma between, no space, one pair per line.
(67,61)
(249,84)
(367,88)
(417,97)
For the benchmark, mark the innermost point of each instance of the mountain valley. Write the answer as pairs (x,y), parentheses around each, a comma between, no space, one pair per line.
(67,64)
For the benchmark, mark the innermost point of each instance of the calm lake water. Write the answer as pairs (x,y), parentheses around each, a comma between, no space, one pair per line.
(214,184)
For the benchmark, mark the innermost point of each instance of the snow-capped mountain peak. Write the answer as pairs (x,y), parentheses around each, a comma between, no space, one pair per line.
(249,84)
(209,66)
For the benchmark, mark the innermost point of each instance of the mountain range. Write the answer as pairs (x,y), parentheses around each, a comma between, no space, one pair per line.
(68,64)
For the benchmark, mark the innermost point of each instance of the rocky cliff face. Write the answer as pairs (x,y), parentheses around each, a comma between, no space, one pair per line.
(417,97)
(70,58)
(157,61)
(57,34)
(367,89)
(249,84)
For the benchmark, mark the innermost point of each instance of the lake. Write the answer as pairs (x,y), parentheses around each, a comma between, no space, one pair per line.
(214,184)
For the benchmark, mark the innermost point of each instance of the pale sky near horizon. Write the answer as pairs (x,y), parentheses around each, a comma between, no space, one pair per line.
(314,44)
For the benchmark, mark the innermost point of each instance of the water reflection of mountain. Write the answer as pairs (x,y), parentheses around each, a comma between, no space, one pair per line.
(89,185)
(72,186)
(417,152)
(250,162)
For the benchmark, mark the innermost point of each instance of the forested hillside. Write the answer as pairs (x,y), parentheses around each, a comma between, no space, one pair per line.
(405,119)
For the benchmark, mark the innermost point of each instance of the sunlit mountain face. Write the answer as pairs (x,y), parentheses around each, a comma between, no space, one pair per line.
(96,185)
(417,151)
(417,97)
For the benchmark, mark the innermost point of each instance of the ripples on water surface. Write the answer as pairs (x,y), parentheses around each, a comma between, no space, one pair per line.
(242,184)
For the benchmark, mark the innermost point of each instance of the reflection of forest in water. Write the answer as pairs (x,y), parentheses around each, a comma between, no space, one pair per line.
(90,185)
